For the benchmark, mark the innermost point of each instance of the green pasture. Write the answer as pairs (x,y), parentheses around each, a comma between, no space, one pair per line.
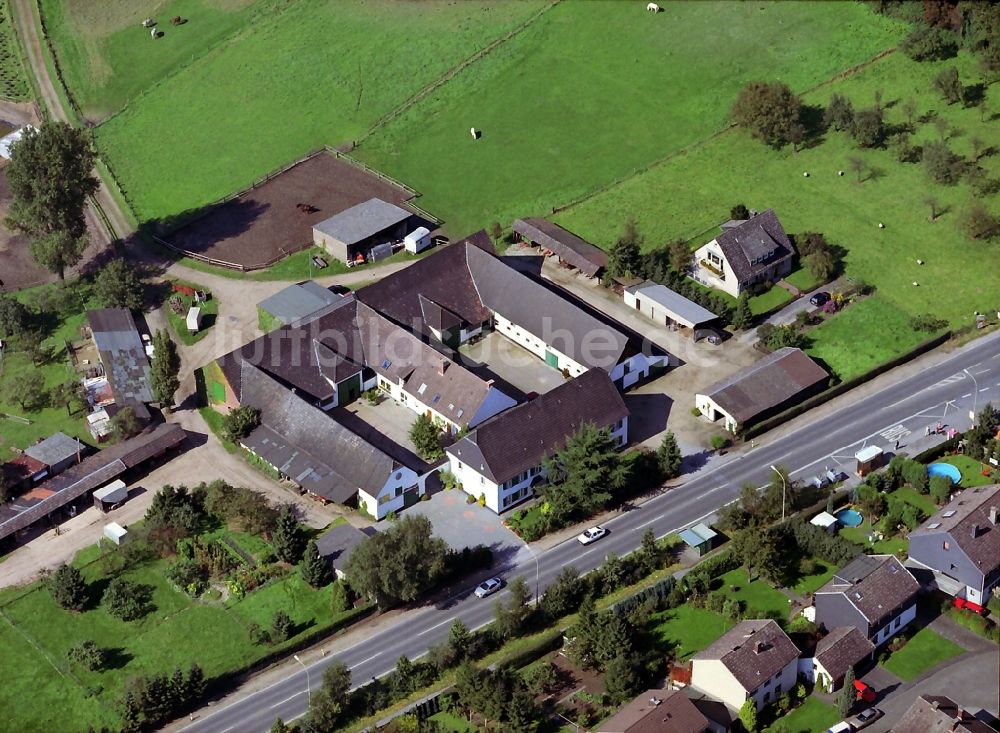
(686,630)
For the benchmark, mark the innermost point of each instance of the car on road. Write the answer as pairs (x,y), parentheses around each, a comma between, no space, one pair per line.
(591,535)
(488,587)
(820,299)
(865,718)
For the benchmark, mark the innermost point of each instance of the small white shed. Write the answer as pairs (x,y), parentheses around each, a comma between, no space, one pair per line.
(869,459)
(116,533)
(194,319)
(418,240)
(826,521)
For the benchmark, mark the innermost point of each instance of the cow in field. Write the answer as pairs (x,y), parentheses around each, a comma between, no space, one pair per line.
(653,8)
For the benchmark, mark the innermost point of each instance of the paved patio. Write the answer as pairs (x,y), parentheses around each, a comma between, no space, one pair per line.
(385,425)
(512,364)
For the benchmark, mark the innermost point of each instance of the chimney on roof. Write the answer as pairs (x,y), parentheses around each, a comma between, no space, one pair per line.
(975,531)
(655,700)
(935,704)
(442,366)
(759,647)
(993,515)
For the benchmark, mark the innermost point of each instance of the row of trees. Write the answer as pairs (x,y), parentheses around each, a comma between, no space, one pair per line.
(124,599)
(152,700)
(943,27)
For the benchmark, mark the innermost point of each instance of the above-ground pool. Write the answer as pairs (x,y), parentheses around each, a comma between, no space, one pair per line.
(849,518)
(945,469)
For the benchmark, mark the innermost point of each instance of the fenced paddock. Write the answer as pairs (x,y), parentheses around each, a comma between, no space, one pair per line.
(259,226)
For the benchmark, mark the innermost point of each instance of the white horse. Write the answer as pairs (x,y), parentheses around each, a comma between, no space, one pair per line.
(653,7)
(475,133)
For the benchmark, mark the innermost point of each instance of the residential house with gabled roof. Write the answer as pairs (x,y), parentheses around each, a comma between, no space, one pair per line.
(960,544)
(308,447)
(875,594)
(503,457)
(745,253)
(762,389)
(657,711)
(841,649)
(337,544)
(755,660)
(939,714)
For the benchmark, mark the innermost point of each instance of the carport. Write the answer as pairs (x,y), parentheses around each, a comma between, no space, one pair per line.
(568,247)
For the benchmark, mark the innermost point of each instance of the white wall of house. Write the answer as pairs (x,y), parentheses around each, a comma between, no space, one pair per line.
(391,497)
(712,253)
(895,626)
(710,409)
(495,403)
(813,672)
(464,335)
(636,368)
(713,678)
(536,346)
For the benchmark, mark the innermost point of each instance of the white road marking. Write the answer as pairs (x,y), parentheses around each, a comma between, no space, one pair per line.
(896,432)
(435,626)
(985,389)
(290,697)
(967,394)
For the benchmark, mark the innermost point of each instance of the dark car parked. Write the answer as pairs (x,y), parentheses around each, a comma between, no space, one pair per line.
(820,299)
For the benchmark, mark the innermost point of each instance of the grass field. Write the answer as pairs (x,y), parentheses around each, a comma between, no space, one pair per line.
(691,193)
(810,717)
(307,75)
(687,630)
(177,631)
(923,502)
(925,650)
(762,601)
(859,536)
(13,82)
(595,90)
(811,583)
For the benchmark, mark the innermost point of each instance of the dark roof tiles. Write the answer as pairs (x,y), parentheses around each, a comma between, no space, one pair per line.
(753,652)
(842,649)
(967,510)
(755,244)
(877,585)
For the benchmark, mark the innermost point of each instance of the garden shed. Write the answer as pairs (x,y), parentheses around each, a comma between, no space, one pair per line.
(869,459)
(116,533)
(194,319)
(825,520)
(110,496)
(699,537)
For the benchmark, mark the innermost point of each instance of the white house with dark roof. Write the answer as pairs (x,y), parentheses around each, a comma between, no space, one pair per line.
(502,458)
(960,544)
(755,660)
(762,389)
(875,594)
(843,648)
(744,253)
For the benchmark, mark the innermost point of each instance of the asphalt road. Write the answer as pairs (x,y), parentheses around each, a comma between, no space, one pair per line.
(945,393)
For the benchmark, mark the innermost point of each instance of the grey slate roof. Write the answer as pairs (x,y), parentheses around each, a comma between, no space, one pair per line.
(939,714)
(770,382)
(570,248)
(337,544)
(968,509)
(842,649)
(680,308)
(546,315)
(55,449)
(122,354)
(362,221)
(657,711)
(521,437)
(309,446)
(298,301)
(755,244)
(752,651)
(877,585)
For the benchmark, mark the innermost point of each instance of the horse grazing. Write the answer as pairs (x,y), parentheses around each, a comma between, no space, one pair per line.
(653,7)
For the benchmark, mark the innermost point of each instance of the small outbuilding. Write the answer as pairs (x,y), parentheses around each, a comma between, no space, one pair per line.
(569,248)
(111,496)
(194,319)
(825,520)
(297,302)
(869,459)
(700,538)
(116,533)
(666,307)
(418,240)
(336,545)
(57,452)
(356,230)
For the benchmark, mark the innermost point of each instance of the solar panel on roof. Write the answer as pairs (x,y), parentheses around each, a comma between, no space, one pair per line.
(437,398)
(386,363)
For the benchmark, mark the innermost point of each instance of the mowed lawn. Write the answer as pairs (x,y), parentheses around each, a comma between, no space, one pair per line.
(176,632)
(307,75)
(108,58)
(811,716)
(762,600)
(686,630)
(925,650)
(594,90)
(689,195)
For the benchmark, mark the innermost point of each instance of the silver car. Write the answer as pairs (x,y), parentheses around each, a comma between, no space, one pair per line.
(488,587)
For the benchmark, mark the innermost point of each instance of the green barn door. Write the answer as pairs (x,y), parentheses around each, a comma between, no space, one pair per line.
(551,359)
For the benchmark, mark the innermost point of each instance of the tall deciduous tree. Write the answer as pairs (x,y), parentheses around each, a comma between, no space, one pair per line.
(240,422)
(769,111)
(839,114)
(584,475)
(125,424)
(512,615)
(948,84)
(748,716)
(868,128)
(14,318)
(68,588)
(625,257)
(163,372)
(680,256)
(118,285)
(50,177)
(397,565)
(66,394)
(327,704)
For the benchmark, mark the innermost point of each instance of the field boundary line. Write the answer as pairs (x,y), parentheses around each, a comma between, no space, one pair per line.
(37,647)
(635,172)
(451,73)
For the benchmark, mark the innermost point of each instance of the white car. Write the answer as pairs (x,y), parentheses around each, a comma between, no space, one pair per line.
(488,587)
(591,535)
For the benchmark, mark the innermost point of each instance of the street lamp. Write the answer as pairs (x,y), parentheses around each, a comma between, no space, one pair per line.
(309,695)
(784,488)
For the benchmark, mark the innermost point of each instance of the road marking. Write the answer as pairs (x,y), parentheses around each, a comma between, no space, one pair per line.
(985,389)
(967,394)
(364,661)
(290,697)
(436,626)
(229,729)
(897,432)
